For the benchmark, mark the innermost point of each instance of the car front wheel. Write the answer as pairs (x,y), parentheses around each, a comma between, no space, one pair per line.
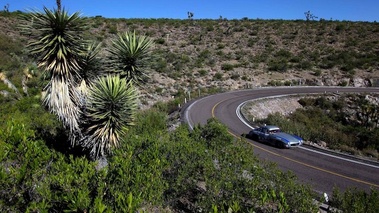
(278,144)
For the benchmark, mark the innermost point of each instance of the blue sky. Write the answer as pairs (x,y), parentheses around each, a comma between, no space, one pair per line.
(352,10)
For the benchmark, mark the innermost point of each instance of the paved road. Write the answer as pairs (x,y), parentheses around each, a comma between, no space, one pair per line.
(322,171)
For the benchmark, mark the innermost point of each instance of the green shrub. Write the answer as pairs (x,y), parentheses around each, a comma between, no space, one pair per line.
(251,42)
(280,65)
(112,29)
(214,133)
(354,200)
(218,76)
(227,67)
(317,72)
(203,72)
(220,46)
(343,83)
(10,61)
(160,41)
(304,65)
(235,76)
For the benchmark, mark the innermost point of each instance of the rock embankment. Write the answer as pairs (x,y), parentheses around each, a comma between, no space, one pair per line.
(261,108)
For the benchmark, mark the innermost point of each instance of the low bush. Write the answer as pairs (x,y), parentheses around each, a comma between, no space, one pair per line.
(227,67)
(218,76)
(354,200)
(279,65)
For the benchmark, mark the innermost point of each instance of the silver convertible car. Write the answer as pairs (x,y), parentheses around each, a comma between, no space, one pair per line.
(273,136)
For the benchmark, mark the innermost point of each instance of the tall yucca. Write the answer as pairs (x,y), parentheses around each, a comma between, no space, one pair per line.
(111,106)
(56,42)
(128,55)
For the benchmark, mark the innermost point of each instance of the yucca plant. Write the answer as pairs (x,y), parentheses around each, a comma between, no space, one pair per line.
(57,44)
(96,106)
(91,66)
(129,54)
(111,106)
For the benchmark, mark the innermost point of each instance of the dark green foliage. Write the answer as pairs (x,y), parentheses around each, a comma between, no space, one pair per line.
(150,121)
(279,65)
(235,76)
(91,65)
(218,76)
(112,29)
(170,106)
(317,73)
(203,72)
(227,67)
(10,53)
(160,66)
(214,134)
(154,168)
(354,200)
(29,112)
(160,40)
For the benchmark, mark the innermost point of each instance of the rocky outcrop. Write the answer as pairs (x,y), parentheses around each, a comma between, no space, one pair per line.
(260,109)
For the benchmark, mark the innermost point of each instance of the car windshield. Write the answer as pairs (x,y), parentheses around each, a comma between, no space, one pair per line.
(274,131)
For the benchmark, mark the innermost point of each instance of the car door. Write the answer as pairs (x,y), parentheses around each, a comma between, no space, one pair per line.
(264,135)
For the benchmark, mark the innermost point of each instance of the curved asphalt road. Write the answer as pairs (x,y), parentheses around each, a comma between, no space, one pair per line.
(322,171)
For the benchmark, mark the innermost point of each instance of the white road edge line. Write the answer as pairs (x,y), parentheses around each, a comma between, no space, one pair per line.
(341,158)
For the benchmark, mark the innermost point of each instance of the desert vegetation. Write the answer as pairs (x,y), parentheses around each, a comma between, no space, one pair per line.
(260,52)
(86,145)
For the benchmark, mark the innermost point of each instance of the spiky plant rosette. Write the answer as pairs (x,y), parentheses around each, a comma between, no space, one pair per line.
(111,106)
(54,38)
(128,55)
(91,66)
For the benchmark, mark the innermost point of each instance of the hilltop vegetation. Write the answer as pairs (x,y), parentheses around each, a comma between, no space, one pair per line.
(207,55)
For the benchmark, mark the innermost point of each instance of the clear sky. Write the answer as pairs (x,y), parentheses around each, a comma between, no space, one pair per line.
(352,10)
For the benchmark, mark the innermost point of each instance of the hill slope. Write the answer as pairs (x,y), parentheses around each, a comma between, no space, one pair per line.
(200,56)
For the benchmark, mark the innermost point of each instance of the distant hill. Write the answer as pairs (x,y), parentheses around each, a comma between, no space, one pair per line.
(201,55)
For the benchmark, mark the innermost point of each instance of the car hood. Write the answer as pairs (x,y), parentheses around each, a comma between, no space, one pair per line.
(285,137)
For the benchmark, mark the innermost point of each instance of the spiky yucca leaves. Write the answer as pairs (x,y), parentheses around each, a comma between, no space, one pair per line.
(128,55)
(55,40)
(91,66)
(111,106)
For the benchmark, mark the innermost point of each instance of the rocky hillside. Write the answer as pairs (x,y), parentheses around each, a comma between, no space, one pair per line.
(204,56)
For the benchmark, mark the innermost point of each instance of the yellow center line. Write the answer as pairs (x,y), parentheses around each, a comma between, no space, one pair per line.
(296,161)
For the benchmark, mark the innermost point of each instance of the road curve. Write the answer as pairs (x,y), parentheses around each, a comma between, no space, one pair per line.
(322,171)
